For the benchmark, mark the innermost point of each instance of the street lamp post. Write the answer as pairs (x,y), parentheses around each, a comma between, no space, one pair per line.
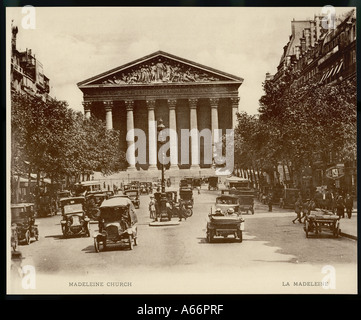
(163,197)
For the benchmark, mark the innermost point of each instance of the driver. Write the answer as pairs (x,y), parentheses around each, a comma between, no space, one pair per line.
(218,212)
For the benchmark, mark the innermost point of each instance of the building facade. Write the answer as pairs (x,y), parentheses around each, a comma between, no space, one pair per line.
(184,94)
(26,72)
(315,54)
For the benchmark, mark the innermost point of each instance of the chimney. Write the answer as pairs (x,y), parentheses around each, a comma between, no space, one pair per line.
(14,30)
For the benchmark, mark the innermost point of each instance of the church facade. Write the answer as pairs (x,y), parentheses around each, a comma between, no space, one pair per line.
(184,94)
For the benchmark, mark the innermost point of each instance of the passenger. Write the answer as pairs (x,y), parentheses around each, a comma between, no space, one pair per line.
(230,211)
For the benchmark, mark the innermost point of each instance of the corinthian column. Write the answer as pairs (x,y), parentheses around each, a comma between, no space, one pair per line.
(87,105)
(214,117)
(194,133)
(173,134)
(234,102)
(130,135)
(108,114)
(152,135)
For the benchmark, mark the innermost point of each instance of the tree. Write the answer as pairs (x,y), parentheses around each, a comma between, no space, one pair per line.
(48,137)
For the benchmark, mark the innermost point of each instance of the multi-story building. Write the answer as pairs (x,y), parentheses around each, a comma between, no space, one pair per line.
(315,54)
(26,73)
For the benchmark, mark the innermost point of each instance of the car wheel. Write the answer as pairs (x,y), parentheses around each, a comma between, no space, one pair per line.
(135,241)
(306,229)
(27,237)
(239,235)
(37,236)
(130,242)
(96,245)
(209,236)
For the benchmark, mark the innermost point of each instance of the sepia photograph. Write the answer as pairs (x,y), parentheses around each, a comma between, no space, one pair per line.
(181,150)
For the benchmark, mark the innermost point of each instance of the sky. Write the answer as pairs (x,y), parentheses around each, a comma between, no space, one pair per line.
(76,43)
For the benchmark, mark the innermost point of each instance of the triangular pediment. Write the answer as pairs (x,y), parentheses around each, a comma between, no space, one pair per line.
(160,68)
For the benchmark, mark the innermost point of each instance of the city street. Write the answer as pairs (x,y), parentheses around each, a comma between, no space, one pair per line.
(274,254)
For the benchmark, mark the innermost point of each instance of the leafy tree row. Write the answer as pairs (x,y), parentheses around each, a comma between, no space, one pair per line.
(298,127)
(51,139)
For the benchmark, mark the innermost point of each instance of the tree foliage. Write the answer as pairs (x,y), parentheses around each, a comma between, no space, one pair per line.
(299,125)
(50,138)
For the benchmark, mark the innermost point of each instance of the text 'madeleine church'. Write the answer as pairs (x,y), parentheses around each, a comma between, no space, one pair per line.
(184,94)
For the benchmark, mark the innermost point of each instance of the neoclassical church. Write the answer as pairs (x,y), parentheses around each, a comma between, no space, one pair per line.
(183,93)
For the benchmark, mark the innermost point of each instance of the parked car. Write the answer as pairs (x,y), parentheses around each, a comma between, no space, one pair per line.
(117,223)
(23,226)
(74,221)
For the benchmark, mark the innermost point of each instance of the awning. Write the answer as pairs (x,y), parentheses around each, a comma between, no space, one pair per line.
(329,73)
(338,68)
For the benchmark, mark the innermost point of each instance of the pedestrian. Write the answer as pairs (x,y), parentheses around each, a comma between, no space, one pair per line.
(269,202)
(298,210)
(340,207)
(181,211)
(305,210)
(349,205)
(152,211)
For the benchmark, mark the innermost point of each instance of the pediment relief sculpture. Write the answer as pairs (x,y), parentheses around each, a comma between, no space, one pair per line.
(161,70)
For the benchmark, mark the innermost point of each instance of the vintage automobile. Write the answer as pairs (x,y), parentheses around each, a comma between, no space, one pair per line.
(143,187)
(83,187)
(150,187)
(289,197)
(245,198)
(186,200)
(133,195)
(213,183)
(46,205)
(197,183)
(23,226)
(117,223)
(321,220)
(74,221)
(183,183)
(93,200)
(221,224)
(238,183)
(225,202)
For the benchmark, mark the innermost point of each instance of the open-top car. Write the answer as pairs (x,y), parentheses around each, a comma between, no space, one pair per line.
(223,224)
(23,226)
(117,223)
(133,195)
(225,202)
(74,221)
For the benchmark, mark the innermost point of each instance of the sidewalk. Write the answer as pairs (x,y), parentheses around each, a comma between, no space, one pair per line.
(349,226)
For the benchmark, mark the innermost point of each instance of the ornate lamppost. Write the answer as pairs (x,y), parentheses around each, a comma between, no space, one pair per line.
(163,197)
